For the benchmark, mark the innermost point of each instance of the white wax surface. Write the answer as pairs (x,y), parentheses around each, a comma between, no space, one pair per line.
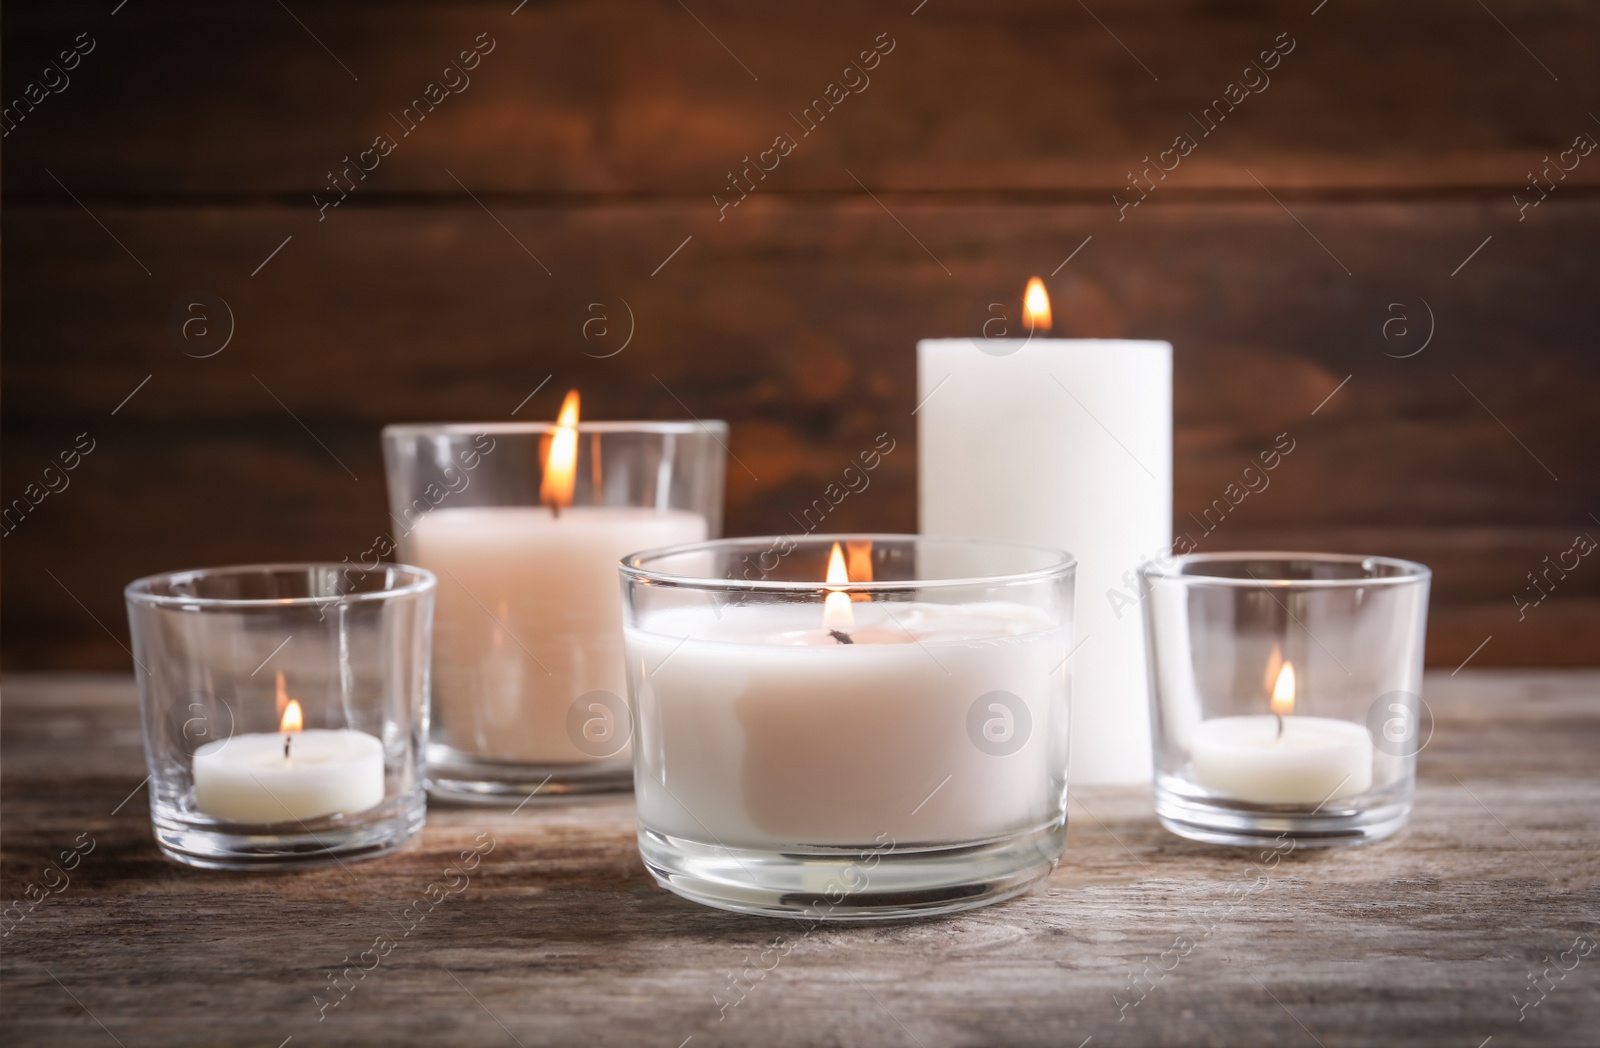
(1318,759)
(246,778)
(553,584)
(761,731)
(1006,452)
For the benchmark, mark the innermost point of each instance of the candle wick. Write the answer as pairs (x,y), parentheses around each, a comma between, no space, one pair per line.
(286,739)
(841,636)
(555,510)
(1280,726)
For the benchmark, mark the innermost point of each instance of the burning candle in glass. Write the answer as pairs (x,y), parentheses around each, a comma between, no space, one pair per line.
(313,761)
(527,673)
(914,722)
(1287,694)
(1280,758)
(289,776)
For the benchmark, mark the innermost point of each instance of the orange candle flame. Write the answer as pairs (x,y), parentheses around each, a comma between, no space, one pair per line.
(561,464)
(836,613)
(1274,665)
(293,719)
(1283,691)
(1036,307)
(858,557)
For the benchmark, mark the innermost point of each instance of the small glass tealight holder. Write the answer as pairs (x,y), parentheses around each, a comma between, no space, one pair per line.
(284,710)
(851,727)
(524,524)
(1286,695)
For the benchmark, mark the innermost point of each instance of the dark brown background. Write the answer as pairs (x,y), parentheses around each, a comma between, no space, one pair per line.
(995,132)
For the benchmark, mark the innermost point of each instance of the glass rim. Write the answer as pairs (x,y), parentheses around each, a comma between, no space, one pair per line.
(421,581)
(1409,572)
(633,566)
(400,430)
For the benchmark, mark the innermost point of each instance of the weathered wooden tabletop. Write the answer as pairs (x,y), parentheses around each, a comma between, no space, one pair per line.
(1473,926)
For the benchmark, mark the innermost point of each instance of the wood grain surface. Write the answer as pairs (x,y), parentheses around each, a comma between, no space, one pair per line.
(1340,258)
(561,937)
(633,97)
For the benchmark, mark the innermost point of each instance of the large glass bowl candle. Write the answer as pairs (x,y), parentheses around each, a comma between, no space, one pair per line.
(524,525)
(1286,694)
(285,710)
(856,726)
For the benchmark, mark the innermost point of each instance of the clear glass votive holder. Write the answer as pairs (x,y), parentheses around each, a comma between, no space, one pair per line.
(1286,694)
(884,747)
(284,710)
(528,681)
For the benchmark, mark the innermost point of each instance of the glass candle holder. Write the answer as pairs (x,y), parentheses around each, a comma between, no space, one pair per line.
(284,710)
(1286,694)
(889,742)
(528,679)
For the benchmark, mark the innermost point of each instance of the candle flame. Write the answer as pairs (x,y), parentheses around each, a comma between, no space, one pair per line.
(836,613)
(293,719)
(1283,691)
(561,465)
(282,696)
(1036,307)
(858,557)
(1274,664)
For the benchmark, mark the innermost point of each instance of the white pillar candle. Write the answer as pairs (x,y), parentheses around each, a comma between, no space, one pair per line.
(1064,443)
(759,728)
(528,617)
(248,778)
(1316,759)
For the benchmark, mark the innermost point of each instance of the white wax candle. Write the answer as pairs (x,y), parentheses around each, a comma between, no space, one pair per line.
(248,779)
(528,617)
(1064,443)
(756,728)
(1318,759)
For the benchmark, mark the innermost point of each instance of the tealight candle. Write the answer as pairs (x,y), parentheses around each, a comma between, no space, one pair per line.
(1282,759)
(289,776)
(229,792)
(1286,694)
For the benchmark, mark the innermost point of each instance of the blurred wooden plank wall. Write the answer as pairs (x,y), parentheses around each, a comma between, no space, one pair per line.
(1361,168)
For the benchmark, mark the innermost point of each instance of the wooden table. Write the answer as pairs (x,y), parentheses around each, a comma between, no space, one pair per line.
(561,937)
